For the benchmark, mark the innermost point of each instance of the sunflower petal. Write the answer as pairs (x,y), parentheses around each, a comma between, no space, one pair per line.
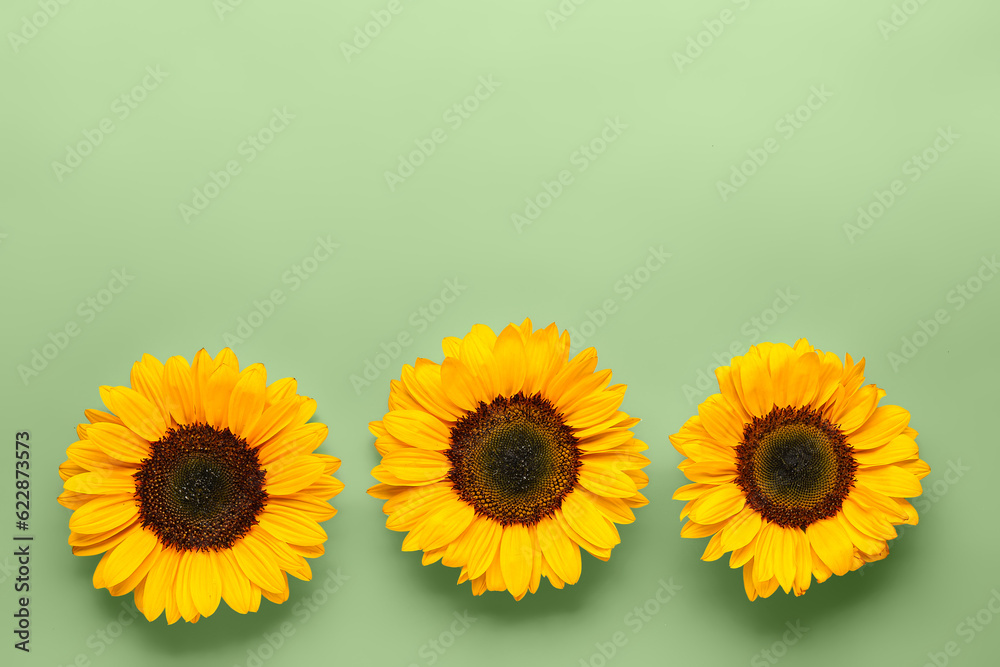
(516,556)
(136,412)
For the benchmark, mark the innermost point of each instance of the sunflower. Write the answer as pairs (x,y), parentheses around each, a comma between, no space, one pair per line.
(199,484)
(508,457)
(795,469)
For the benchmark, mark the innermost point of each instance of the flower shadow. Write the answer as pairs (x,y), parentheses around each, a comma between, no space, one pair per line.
(225,629)
(834,598)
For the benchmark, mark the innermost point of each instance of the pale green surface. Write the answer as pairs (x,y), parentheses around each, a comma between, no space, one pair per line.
(655,186)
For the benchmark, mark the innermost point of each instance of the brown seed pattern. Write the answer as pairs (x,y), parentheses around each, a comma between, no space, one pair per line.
(513,460)
(794,466)
(200,488)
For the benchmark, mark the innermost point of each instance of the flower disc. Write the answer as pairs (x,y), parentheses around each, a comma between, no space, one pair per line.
(794,467)
(200,488)
(513,460)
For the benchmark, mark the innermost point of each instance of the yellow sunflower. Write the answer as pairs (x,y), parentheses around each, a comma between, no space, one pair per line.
(795,469)
(199,484)
(508,457)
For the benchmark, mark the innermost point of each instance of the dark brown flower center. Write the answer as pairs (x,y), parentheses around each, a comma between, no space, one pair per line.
(200,488)
(794,466)
(513,460)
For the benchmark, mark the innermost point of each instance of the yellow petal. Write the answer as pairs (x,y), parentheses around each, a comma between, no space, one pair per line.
(900,448)
(561,554)
(758,392)
(246,403)
(257,561)
(201,369)
(135,411)
(720,503)
(147,380)
(305,504)
(105,481)
(720,421)
(748,584)
(803,380)
(476,354)
(856,410)
(509,353)
(418,429)
(872,523)
(484,536)
(883,425)
(459,385)
(446,523)
(159,583)
(236,587)
(205,582)
(119,442)
(766,551)
(450,346)
(417,464)
(741,529)
(182,589)
(290,526)
(293,442)
(127,556)
(586,520)
(832,544)
(890,480)
(784,552)
(104,513)
(516,555)
(692,491)
(218,392)
(710,472)
(178,390)
(287,476)
(275,418)
(605,480)
(423,382)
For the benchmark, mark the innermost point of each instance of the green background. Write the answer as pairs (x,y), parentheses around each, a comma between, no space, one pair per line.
(888,93)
